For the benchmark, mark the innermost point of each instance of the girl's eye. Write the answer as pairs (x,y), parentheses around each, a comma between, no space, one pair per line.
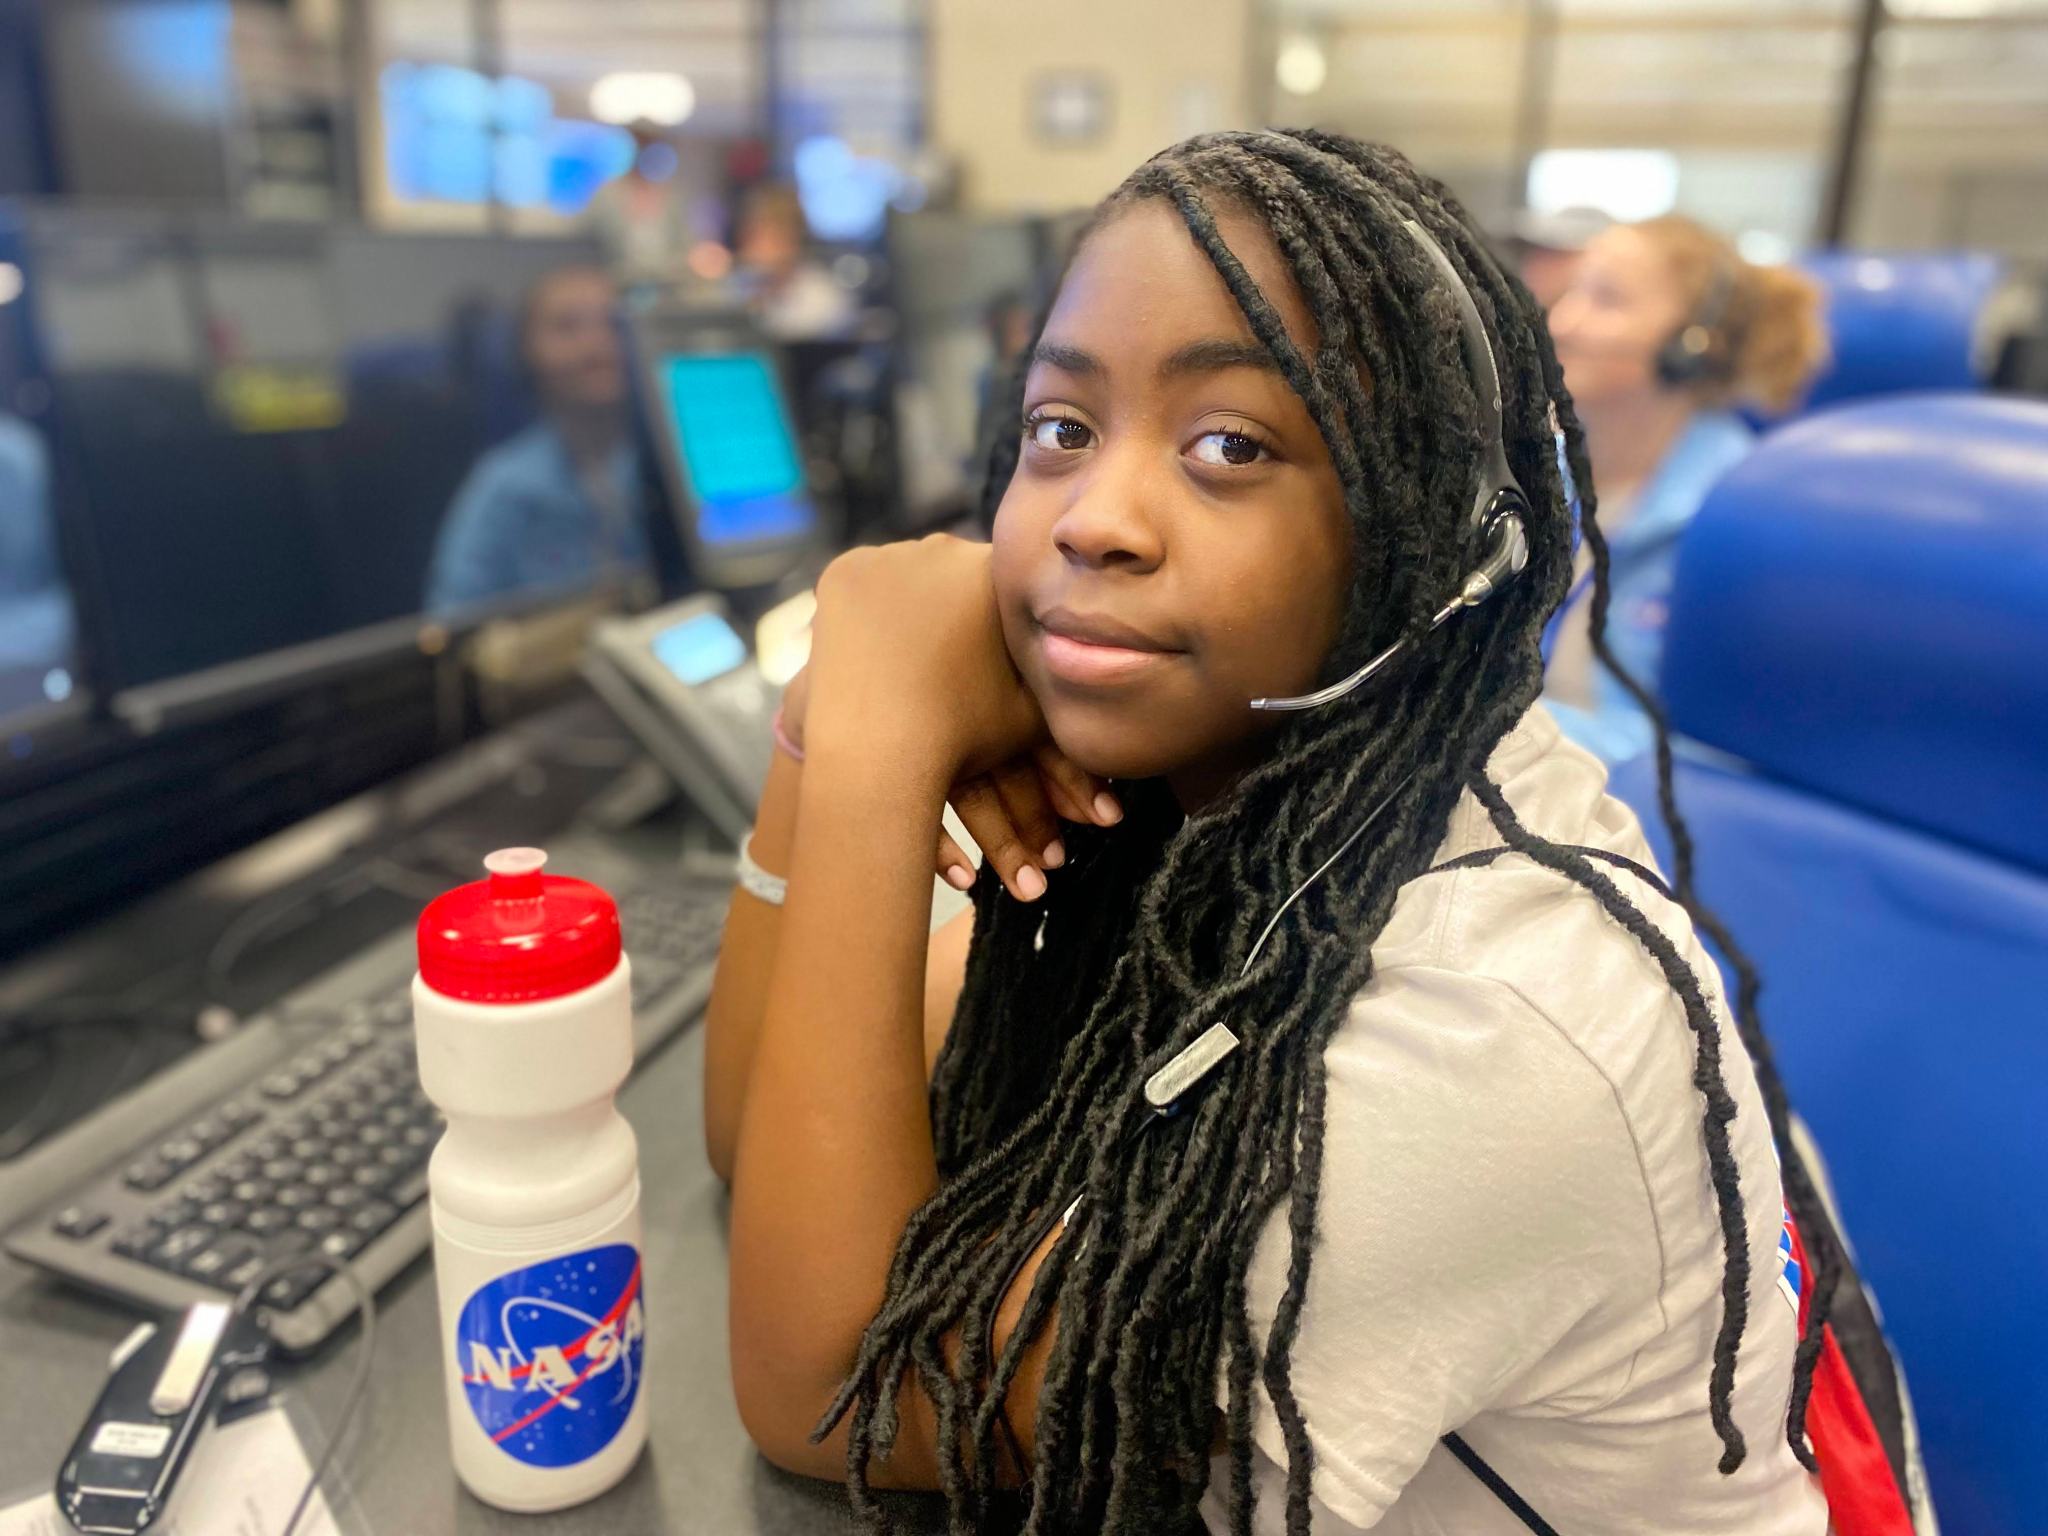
(1228,450)
(1058,434)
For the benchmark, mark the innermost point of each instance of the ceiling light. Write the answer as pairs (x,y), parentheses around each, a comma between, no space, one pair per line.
(639,96)
(1301,67)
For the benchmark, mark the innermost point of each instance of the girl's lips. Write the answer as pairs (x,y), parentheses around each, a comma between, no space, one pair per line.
(1088,663)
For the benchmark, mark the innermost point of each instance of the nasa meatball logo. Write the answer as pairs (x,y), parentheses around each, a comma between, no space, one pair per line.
(551,1354)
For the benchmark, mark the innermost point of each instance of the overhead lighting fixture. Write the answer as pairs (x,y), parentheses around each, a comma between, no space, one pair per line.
(642,96)
(1301,67)
(1624,184)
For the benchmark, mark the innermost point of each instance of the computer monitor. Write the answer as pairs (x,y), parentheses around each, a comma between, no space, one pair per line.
(715,408)
(272,441)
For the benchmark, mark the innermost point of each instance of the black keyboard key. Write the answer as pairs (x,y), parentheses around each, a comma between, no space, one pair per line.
(308,1148)
(296,1197)
(287,1291)
(317,1219)
(394,1012)
(174,1250)
(342,1243)
(212,1187)
(243,1270)
(266,1220)
(348,1155)
(175,1213)
(223,1213)
(321,1176)
(78,1221)
(283,1170)
(408,1188)
(209,1131)
(360,1035)
(181,1152)
(346,1196)
(147,1174)
(269,1148)
(374,1135)
(420,1137)
(211,1264)
(370,1176)
(136,1240)
(373,1216)
(252,1191)
(237,1113)
(283,1086)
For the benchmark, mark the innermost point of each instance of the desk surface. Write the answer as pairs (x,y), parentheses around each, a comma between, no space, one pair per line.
(699,1473)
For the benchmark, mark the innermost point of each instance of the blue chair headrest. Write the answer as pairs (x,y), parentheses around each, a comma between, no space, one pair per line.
(1901,322)
(1861,608)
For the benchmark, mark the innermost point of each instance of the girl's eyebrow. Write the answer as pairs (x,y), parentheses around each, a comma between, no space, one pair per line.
(1068,359)
(1208,356)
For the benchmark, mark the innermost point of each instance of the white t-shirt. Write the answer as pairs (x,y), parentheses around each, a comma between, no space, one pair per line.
(1516,1237)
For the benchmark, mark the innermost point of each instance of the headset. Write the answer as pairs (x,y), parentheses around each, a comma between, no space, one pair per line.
(1499,505)
(1690,354)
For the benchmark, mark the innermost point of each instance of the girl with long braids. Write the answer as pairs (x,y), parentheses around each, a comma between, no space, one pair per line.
(1469,1217)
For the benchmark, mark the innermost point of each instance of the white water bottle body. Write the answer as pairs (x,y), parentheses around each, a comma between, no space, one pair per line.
(535,1194)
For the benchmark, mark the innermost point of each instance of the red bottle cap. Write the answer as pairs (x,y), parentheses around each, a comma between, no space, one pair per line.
(519,936)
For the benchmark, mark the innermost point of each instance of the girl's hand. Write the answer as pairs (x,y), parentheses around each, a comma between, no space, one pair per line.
(912,629)
(1013,814)
(908,661)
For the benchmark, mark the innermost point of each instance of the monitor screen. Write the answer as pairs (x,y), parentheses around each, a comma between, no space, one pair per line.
(265,438)
(699,649)
(38,623)
(736,448)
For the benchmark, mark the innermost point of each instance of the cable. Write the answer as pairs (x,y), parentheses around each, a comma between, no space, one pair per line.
(366,1309)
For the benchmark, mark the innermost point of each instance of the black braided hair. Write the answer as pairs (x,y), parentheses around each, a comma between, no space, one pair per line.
(1070,1002)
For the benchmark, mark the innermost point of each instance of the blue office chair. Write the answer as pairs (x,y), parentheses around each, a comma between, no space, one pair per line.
(1858,659)
(1898,323)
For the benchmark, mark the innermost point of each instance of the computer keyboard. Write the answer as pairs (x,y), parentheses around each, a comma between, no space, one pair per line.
(320,1141)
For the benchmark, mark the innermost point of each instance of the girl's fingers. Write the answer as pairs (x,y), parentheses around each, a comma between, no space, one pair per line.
(1080,795)
(954,867)
(982,812)
(1031,812)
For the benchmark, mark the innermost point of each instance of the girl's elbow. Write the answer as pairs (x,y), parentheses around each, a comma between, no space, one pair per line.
(780,1426)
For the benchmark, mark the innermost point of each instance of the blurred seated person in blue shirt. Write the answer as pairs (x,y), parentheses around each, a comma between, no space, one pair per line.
(35,606)
(1662,332)
(560,505)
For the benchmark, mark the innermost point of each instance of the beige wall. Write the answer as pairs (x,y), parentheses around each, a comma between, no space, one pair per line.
(1173,67)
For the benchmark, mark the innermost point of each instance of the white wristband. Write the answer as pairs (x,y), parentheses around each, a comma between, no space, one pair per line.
(756,881)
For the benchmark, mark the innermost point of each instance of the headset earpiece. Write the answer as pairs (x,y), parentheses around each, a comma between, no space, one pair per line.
(1499,509)
(1697,350)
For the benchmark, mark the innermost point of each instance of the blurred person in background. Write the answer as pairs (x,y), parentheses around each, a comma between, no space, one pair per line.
(560,504)
(789,289)
(1662,332)
(644,219)
(1546,248)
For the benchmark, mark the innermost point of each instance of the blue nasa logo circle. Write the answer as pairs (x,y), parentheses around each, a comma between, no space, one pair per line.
(550,1355)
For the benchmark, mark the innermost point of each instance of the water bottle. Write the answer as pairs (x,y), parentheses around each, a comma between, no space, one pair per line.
(523,1005)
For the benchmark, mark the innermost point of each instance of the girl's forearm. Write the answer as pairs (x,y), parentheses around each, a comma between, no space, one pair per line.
(835,1148)
(746,956)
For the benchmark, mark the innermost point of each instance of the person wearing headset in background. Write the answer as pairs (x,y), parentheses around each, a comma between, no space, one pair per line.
(1324,1100)
(559,505)
(1663,330)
